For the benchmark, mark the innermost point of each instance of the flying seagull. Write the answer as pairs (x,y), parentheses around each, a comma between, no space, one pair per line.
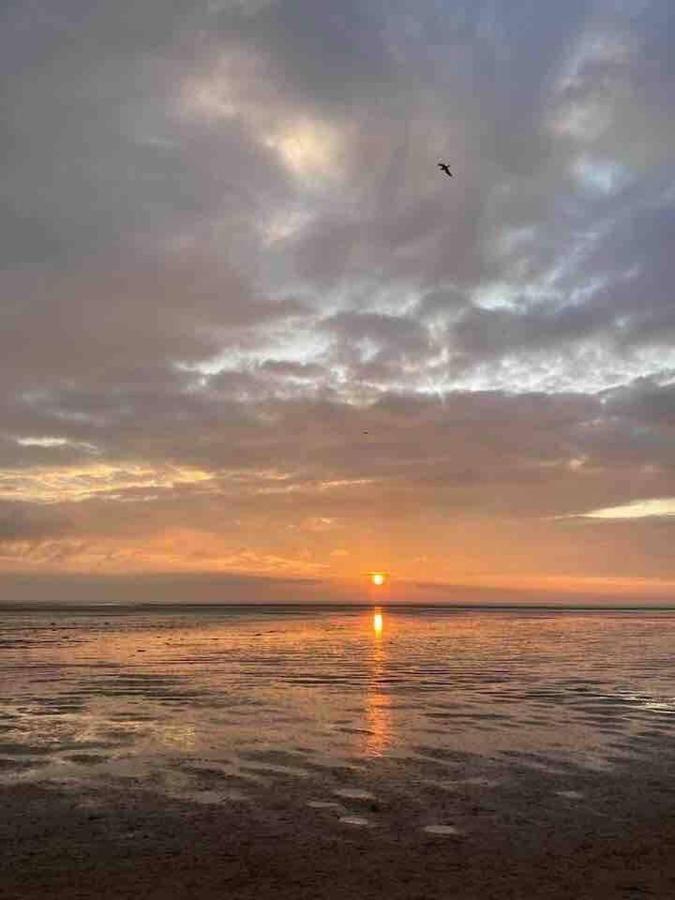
(446,168)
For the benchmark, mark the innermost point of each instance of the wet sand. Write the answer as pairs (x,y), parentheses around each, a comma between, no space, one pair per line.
(611,837)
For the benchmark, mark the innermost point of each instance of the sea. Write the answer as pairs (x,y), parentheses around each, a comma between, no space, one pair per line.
(351,710)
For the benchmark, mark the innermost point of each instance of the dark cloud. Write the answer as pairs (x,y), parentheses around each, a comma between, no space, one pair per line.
(644,402)
(493,332)
(57,589)
(23,522)
(321,52)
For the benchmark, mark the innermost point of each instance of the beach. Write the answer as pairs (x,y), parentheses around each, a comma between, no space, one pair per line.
(398,759)
(120,844)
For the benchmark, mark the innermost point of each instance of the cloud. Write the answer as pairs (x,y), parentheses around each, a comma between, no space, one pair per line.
(240,302)
(141,590)
(638,509)
(74,484)
(22,522)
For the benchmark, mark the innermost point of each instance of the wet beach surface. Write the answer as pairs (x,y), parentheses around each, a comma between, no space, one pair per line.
(333,753)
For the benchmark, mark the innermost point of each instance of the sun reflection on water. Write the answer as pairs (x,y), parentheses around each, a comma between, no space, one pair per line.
(377,701)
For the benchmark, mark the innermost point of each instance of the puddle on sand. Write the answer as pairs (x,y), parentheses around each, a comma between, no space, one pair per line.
(357,821)
(324,804)
(354,794)
(442,830)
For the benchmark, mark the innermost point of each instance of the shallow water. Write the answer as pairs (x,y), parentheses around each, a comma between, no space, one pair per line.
(217,705)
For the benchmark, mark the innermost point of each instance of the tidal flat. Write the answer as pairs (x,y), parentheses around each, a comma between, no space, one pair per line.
(312,752)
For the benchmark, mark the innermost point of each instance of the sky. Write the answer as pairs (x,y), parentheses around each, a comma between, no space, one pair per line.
(255,344)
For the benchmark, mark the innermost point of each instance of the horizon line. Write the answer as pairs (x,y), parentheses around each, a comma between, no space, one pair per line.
(314,604)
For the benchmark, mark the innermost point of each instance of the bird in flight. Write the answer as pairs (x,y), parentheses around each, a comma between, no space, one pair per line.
(445,168)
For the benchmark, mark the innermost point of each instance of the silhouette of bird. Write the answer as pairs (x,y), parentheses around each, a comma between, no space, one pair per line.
(445,168)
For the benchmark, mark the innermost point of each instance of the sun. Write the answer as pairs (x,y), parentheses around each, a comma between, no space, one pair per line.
(378,578)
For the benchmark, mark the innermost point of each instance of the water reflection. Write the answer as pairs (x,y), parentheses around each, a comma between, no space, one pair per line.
(90,691)
(377,701)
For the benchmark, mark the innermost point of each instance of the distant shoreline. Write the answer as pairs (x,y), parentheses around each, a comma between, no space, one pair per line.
(393,606)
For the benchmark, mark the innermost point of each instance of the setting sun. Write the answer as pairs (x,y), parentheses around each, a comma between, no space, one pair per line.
(377,578)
